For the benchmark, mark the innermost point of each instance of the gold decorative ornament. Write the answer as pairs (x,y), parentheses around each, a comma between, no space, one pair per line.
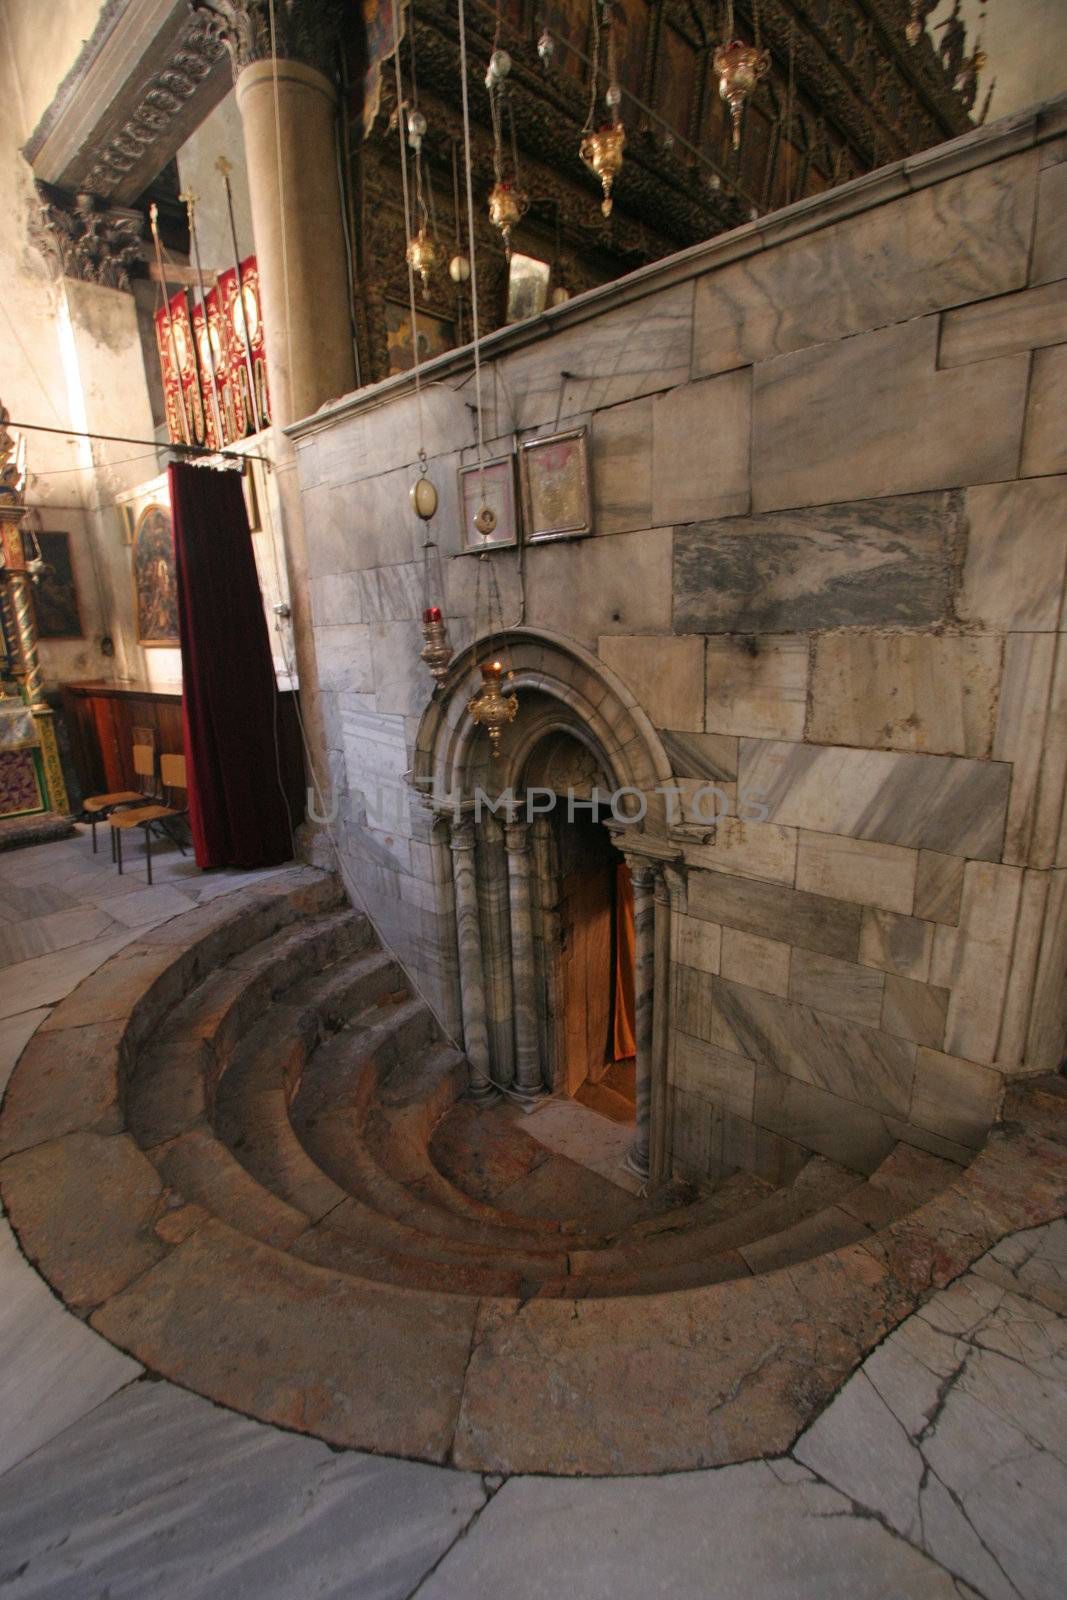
(602,154)
(423,255)
(507,207)
(740,67)
(485,521)
(490,708)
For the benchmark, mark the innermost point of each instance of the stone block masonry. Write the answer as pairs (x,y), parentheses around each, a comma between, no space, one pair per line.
(828,571)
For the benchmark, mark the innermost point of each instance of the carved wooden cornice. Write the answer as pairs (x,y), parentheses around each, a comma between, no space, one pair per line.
(304,30)
(147,78)
(85,238)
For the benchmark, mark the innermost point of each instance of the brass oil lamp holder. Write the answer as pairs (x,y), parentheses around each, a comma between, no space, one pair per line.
(602,153)
(491,708)
(740,67)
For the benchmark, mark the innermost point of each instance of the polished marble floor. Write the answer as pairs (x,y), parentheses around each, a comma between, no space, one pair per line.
(940,1468)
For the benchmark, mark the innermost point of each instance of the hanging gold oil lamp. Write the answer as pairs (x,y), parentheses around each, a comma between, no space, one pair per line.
(436,650)
(507,207)
(740,67)
(423,255)
(491,708)
(601,149)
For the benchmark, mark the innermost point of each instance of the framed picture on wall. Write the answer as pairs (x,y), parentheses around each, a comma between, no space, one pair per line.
(500,496)
(555,486)
(55,596)
(436,334)
(155,587)
(527,286)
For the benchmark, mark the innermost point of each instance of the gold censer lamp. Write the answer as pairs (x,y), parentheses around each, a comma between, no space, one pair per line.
(602,154)
(740,67)
(507,207)
(423,255)
(491,708)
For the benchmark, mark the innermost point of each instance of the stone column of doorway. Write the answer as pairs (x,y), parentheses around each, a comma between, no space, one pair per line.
(471,970)
(529,1084)
(643,876)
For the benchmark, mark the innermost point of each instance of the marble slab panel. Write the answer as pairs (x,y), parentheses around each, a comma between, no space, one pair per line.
(874,415)
(621,449)
(1022,715)
(665,674)
(845,1058)
(635,350)
(702,1069)
(906,691)
(956,1098)
(747,850)
(587,587)
(942,246)
(857,870)
(758,685)
(1013,575)
(757,962)
(1044,436)
(903,945)
(943,803)
(981,959)
(854,1135)
(869,563)
(809,920)
(343,657)
(938,887)
(914,1011)
(1001,327)
(1046,1041)
(357,525)
(826,984)
(701,444)
(707,756)
(1049,255)
(696,943)
(1026,955)
(695,1010)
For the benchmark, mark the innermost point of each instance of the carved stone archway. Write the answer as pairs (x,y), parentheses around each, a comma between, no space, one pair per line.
(493,871)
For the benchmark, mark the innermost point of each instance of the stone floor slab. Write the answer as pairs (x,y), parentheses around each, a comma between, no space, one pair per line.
(159,1495)
(764,1531)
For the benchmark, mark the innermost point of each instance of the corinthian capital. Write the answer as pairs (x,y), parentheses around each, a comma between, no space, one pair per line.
(304,30)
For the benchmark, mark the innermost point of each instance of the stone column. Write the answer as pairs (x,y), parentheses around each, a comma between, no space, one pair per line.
(300,248)
(288,104)
(546,923)
(529,1084)
(643,876)
(471,973)
(668,887)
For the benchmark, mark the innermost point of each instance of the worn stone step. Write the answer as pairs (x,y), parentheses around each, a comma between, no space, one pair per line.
(328,1246)
(704,1241)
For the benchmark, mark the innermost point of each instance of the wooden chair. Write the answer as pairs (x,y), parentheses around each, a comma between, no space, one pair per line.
(172,773)
(144,765)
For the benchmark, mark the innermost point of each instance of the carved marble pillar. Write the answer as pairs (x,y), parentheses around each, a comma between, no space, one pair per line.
(529,1084)
(668,890)
(643,876)
(471,972)
(546,942)
(288,106)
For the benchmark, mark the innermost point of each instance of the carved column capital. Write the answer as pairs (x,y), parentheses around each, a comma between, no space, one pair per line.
(85,238)
(462,835)
(516,837)
(304,30)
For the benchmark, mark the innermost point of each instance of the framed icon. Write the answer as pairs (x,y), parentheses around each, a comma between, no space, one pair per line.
(555,486)
(499,494)
(527,286)
(155,583)
(55,598)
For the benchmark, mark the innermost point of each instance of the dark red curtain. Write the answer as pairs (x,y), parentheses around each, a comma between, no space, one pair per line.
(237,812)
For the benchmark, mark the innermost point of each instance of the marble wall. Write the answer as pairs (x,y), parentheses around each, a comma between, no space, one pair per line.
(828,561)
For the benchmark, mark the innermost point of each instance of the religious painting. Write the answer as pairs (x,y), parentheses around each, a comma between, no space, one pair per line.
(527,286)
(436,334)
(555,486)
(154,578)
(491,484)
(20,784)
(55,597)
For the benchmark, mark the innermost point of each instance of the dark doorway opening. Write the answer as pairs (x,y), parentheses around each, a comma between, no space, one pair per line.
(596,970)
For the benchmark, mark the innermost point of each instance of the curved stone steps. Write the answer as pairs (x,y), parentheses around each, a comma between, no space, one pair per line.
(462,1360)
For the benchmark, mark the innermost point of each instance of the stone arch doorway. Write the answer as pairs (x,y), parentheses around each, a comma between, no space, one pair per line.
(497,870)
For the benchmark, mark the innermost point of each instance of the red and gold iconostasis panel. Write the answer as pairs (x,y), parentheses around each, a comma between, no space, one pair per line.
(214,361)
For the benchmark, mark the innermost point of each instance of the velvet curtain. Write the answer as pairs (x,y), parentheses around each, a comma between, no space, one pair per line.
(237,811)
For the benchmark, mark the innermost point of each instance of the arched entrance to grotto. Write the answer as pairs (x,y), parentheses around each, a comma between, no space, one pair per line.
(552,863)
